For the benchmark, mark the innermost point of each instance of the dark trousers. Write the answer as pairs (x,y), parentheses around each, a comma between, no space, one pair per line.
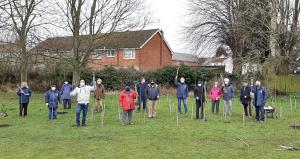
(260,113)
(67,103)
(199,104)
(23,109)
(246,109)
(215,104)
(52,113)
(84,108)
(142,100)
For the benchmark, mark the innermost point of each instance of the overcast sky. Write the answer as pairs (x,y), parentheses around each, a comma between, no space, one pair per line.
(168,16)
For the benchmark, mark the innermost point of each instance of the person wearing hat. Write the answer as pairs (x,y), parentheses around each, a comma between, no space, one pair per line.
(99,96)
(245,97)
(199,93)
(228,94)
(52,98)
(24,94)
(65,95)
(126,101)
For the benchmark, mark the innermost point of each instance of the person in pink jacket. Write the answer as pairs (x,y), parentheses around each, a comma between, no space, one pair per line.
(215,95)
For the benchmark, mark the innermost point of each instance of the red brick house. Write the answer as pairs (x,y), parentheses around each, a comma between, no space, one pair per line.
(144,50)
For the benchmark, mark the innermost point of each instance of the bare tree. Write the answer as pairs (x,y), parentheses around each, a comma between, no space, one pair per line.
(90,20)
(22,18)
(256,31)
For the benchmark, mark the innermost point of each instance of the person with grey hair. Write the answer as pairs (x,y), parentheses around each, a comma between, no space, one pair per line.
(228,94)
(260,99)
(24,94)
(99,96)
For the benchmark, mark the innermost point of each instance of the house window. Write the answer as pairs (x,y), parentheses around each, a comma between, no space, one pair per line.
(97,54)
(111,53)
(129,53)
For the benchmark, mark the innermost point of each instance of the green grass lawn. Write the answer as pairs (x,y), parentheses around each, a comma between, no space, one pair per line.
(37,137)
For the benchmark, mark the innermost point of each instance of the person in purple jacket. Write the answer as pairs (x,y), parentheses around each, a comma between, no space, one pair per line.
(65,91)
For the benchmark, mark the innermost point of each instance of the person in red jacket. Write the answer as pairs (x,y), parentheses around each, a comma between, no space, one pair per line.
(215,95)
(126,100)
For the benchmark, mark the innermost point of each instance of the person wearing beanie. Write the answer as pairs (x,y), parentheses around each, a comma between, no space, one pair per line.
(126,100)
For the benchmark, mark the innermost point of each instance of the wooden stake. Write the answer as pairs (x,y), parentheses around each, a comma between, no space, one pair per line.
(177,120)
(119,113)
(170,109)
(243,120)
(102,116)
(192,112)
(295,103)
(280,112)
(291,104)
(144,116)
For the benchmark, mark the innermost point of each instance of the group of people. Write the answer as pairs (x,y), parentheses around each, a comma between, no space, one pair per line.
(147,93)
(256,92)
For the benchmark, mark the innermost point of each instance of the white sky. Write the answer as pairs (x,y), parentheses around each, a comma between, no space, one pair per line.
(169,15)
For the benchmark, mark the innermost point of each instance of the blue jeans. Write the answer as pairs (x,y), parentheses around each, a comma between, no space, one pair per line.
(184,103)
(84,108)
(52,113)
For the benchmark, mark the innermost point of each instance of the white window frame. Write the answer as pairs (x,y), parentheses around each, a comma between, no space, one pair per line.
(97,54)
(132,56)
(111,53)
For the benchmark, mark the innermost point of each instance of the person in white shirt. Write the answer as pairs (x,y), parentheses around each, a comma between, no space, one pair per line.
(83,93)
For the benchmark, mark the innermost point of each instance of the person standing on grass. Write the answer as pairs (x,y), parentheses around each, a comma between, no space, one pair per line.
(182,94)
(142,99)
(199,93)
(65,95)
(83,93)
(99,96)
(52,98)
(24,94)
(228,93)
(245,97)
(153,96)
(260,99)
(126,101)
(215,96)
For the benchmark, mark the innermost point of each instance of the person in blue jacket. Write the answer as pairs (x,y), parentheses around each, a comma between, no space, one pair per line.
(24,94)
(52,98)
(142,98)
(182,94)
(65,91)
(260,99)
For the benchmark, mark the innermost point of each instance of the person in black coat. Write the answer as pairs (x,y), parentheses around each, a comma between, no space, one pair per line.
(245,97)
(199,93)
